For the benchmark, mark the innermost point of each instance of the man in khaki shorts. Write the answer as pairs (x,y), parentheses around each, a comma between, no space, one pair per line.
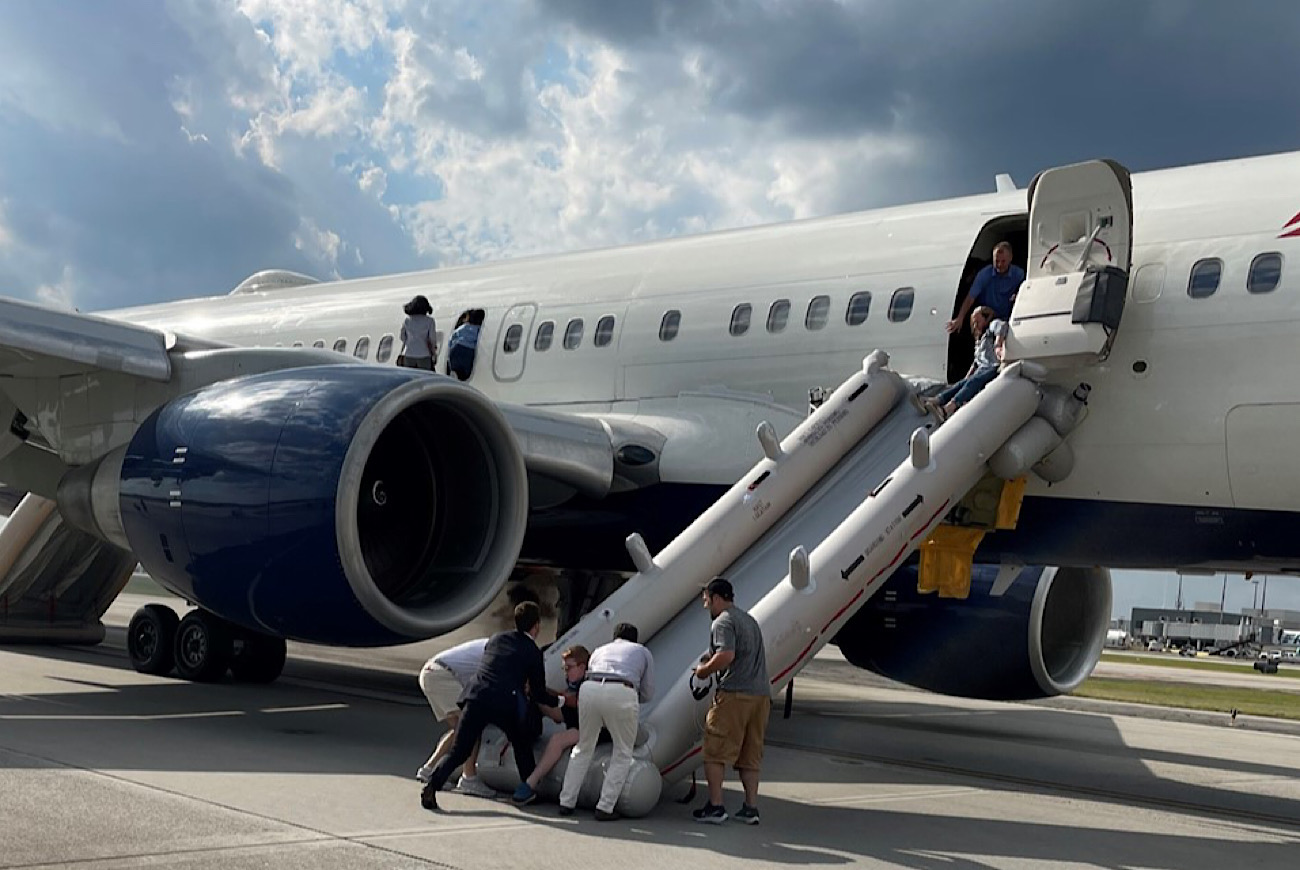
(737,721)
(443,680)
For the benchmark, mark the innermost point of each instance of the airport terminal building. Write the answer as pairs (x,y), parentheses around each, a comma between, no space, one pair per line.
(1207,628)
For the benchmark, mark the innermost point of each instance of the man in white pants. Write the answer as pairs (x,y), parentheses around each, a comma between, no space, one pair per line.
(443,680)
(620,676)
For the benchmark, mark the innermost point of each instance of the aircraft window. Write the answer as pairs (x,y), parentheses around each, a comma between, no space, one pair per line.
(385,349)
(818,309)
(1148,283)
(900,304)
(573,334)
(545,335)
(1265,272)
(514,337)
(740,316)
(319,344)
(362,349)
(604,331)
(341,345)
(778,315)
(669,326)
(297,344)
(1205,278)
(859,308)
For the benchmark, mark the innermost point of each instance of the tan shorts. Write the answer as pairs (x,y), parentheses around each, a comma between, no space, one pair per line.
(735,728)
(442,689)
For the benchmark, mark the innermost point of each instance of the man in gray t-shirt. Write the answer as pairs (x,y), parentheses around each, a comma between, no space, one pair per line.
(736,630)
(737,720)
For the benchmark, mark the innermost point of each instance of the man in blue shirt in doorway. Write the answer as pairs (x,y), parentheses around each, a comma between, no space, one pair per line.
(995,285)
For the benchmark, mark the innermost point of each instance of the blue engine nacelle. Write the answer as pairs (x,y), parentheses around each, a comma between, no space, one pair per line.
(1039,638)
(342,504)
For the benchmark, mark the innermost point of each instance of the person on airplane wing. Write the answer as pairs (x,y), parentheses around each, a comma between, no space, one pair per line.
(419,336)
(511,662)
(620,677)
(990,341)
(995,285)
(737,720)
(463,344)
(443,679)
(575,660)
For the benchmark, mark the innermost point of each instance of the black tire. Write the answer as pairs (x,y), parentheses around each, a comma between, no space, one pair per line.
(204,644)
(259,658)
(150,639)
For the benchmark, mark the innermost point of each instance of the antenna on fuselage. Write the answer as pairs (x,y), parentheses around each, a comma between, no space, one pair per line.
(1005,183)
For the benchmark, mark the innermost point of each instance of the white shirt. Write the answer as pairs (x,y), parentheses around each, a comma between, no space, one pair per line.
(626,661)
(462,660)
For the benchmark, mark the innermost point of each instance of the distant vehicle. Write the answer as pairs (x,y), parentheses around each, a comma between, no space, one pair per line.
(1188,651)
(1271,655)
(1154,646)
(1116,638)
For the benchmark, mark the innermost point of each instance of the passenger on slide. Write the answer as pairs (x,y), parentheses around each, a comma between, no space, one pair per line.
(990,340)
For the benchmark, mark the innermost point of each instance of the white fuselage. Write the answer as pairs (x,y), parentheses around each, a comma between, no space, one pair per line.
(1193,407)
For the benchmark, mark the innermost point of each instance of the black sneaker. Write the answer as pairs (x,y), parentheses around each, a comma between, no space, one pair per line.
(747,814)
(429,797)
(566,811)
(604,816)
(710,814)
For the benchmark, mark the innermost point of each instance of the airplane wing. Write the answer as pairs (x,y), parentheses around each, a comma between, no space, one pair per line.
(40,342)
(403,498)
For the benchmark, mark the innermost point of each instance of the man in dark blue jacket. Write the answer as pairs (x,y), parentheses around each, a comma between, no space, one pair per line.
(496,696)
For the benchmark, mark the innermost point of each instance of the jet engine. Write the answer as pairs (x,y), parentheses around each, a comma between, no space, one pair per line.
(1039,637)
(342,504)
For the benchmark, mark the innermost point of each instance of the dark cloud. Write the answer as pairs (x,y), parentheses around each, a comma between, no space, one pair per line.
(1008,86)
(632,22)
(138,210)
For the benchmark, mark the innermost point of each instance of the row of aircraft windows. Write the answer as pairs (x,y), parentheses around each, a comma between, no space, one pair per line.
(815,317)
(778,317)
(1264,275)
(383,353)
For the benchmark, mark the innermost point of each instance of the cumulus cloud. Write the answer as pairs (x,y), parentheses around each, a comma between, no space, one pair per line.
(190,144)
(61,293)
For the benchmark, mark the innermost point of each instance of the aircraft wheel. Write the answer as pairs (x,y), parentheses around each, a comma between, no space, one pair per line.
(204,645)
(258,659)
(150,639)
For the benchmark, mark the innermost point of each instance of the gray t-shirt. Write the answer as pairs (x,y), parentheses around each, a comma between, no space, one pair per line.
(736,630)
(985,349)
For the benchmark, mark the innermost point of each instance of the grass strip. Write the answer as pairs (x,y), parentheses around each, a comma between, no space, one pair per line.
(1190,664)
(1250,702)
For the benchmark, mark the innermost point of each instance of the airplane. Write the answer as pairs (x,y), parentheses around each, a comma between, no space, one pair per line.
(261,456)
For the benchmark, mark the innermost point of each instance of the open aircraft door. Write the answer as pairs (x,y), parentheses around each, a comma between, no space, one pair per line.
(1076,274)
(512,343)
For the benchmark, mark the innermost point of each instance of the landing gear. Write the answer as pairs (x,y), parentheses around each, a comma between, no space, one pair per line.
(200,647)
(259,658)
(204,647)
(150,639)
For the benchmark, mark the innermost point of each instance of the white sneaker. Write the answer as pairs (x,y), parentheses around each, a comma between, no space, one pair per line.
(472,785)
(425,773)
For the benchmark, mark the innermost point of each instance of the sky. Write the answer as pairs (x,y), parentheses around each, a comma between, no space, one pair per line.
(152,150)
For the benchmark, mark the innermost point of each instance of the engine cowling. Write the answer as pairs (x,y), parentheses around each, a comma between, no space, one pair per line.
(350,505)
(1041,637)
